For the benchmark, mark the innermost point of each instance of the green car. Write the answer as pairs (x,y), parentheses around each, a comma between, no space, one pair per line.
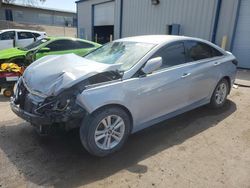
(47,46)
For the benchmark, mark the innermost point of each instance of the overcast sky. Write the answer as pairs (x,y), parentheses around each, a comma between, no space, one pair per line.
(58,4)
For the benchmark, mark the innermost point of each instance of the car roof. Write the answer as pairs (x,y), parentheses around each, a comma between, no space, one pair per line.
(33,31)
(161,40)
(157,39)
(71,38)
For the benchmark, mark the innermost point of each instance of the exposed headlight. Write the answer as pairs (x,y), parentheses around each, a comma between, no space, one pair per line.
(61,105)
(58,103)
(65,101)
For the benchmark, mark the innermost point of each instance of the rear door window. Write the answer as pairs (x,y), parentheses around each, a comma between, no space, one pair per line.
(198,51)
(24,35)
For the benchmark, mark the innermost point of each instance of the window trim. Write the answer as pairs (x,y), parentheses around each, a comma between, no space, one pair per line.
(137,74)
(184,65)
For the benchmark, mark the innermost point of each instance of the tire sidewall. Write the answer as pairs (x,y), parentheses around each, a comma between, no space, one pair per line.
(5,92)
(88,128)
(213,102)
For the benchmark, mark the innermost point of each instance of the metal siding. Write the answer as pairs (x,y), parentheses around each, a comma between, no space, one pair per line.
(104,14)
(84,10)
(241,47)
(2,15)
(32,15)
(85,19)
(195,16)
(227,20)
(118,17)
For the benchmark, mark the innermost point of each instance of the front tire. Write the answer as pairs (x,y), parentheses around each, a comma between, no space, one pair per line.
(220,94)
(105,131)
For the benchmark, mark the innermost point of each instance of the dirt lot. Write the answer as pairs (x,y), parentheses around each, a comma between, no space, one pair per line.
(201,148)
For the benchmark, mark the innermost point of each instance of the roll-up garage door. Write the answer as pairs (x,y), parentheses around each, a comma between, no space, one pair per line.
(104,14)
(241,47)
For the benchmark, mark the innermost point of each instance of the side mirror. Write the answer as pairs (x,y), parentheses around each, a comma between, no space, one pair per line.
(44,50)
(152,65)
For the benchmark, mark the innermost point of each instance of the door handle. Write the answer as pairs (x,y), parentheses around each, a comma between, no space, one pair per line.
(185,75)
(216,63)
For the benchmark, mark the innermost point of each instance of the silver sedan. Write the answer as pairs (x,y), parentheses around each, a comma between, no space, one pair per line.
(123,87)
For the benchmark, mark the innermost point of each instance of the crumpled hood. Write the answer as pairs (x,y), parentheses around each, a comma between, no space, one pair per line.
(11,52)
(52,74)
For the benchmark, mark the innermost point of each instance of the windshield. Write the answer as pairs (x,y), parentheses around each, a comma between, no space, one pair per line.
(35,44)
(125,53)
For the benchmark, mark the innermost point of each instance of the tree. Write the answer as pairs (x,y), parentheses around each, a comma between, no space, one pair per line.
(25,2)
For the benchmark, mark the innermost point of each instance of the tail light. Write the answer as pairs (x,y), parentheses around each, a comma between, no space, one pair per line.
(235,62)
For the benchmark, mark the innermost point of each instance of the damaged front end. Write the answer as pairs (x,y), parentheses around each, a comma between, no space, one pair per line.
(62,110)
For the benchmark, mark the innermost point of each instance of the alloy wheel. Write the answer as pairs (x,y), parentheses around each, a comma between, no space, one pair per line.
(221,93)
(109,132)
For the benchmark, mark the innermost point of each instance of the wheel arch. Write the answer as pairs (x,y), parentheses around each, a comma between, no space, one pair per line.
(228,79)
(119,106)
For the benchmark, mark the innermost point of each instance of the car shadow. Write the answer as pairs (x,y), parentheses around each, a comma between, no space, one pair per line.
(61,161)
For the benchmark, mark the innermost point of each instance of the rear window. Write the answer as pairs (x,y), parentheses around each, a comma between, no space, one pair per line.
(36,35)
(81,44)
(199,50)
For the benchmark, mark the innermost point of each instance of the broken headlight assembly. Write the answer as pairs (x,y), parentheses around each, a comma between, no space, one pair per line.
(64,102)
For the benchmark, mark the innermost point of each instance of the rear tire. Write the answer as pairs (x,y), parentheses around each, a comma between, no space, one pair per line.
(105,131)
(220,94)
(8,92)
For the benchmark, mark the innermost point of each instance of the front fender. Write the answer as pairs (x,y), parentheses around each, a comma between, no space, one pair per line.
(95,98)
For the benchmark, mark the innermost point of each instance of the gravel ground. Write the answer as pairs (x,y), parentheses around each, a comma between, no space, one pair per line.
(201,148)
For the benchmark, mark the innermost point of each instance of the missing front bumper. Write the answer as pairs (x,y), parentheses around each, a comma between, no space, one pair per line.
(45,124)
(32,118)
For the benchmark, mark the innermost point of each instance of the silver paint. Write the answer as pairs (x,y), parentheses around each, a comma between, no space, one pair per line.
(52,74)
(149,99)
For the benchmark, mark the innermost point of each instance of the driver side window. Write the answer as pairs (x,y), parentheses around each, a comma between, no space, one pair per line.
(171,55)
(9,35)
